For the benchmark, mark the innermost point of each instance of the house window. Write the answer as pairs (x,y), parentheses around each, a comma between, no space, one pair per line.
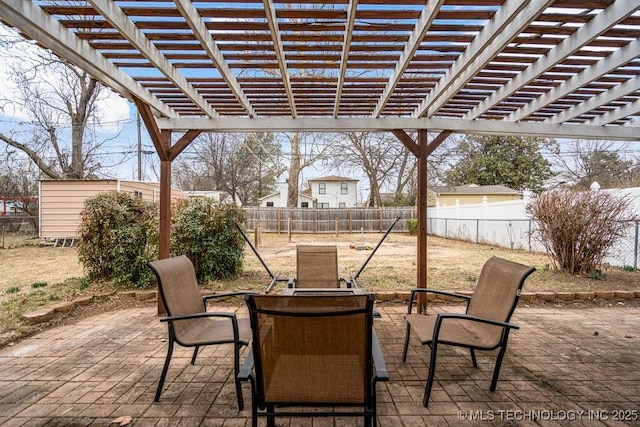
(137,194)
(344,188)
(304,204)
(323,205)
(322,188)
(342,205)
(269,204)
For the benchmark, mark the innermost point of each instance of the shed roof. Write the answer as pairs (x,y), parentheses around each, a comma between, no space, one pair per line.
(473,189)
(563,68)
(333,178)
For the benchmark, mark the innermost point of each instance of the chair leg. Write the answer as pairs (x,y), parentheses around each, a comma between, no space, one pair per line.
(473,358)
(195,354)
(496,370)
(406,343)
(432,372)
(236,371)
(271,419)
(163,376)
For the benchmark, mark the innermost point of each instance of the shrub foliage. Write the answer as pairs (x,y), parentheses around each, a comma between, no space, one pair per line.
(578,228)
(118,236)
(205,232)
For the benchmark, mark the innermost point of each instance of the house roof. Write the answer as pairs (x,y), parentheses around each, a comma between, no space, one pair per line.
(473,189)
(333,178)
(277,193)
(555,68)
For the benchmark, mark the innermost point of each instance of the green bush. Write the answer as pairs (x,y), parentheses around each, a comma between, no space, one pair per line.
(412,225)
(118,236)
(205,232)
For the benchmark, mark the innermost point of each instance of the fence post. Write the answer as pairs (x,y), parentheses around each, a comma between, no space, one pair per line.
(337,225)
(350,221)
(256,236)
(635,250)
(289,228)
(315,221)
(477,231)
(380,214)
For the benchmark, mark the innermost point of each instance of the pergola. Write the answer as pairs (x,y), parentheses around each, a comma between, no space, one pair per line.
(551,68)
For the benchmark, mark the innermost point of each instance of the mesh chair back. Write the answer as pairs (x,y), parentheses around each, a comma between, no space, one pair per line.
(179,290)
(317,266)
(498,289)
(312,349)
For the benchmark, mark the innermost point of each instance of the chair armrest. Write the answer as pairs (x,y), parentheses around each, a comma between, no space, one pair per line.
(378,359)
(443,316)
(434,291)
(205,298)
(246,371)
(231,316)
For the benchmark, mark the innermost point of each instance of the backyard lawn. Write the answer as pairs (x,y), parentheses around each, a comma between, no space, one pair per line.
(33,276)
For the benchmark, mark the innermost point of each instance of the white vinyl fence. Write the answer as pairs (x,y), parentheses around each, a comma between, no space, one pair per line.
(506,224)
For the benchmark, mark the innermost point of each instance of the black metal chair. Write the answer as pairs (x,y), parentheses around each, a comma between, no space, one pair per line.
(485,324)
(313,351)
(190,325)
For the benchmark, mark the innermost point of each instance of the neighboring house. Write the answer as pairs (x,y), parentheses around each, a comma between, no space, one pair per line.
(279,199)
(213,194)
(334,192)
(62,201)
(472,193)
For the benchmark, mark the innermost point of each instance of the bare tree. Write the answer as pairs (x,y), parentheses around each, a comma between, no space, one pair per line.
(306,150)
(377,154)
(244,165)
(610,163)
(61,103)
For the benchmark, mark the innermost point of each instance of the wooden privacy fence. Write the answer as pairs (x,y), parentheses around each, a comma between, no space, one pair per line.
(332,220)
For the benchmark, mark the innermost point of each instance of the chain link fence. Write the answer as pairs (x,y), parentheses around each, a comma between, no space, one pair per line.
(521,234)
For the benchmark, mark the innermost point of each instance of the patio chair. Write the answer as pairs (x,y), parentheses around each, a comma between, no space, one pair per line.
(317,267)
(313,351)
(190,325)
(485,323)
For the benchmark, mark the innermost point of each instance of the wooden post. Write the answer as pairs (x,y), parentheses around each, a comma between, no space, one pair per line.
(350,221)
(289,227)
(256,235)
(315,221)
(422,218)
(337,225)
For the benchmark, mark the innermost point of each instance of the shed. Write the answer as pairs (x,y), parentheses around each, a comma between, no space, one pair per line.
(473,193)
(62,201)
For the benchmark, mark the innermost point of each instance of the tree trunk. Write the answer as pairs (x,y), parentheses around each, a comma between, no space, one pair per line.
(294,171)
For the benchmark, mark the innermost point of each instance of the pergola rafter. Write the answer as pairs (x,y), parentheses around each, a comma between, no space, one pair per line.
(508,22)
(427,16)
(191,16)
(121,22)
(344,55)
(572,44)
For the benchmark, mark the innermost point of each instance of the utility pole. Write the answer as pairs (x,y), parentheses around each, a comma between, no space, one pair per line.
(139,125)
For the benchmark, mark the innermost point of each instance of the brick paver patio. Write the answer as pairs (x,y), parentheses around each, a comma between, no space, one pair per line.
(565,366)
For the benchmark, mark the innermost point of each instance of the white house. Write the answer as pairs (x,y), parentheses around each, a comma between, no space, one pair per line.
(279,198)
(334,191)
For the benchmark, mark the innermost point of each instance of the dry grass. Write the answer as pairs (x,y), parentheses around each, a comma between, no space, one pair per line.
(32,276)
(451,264)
